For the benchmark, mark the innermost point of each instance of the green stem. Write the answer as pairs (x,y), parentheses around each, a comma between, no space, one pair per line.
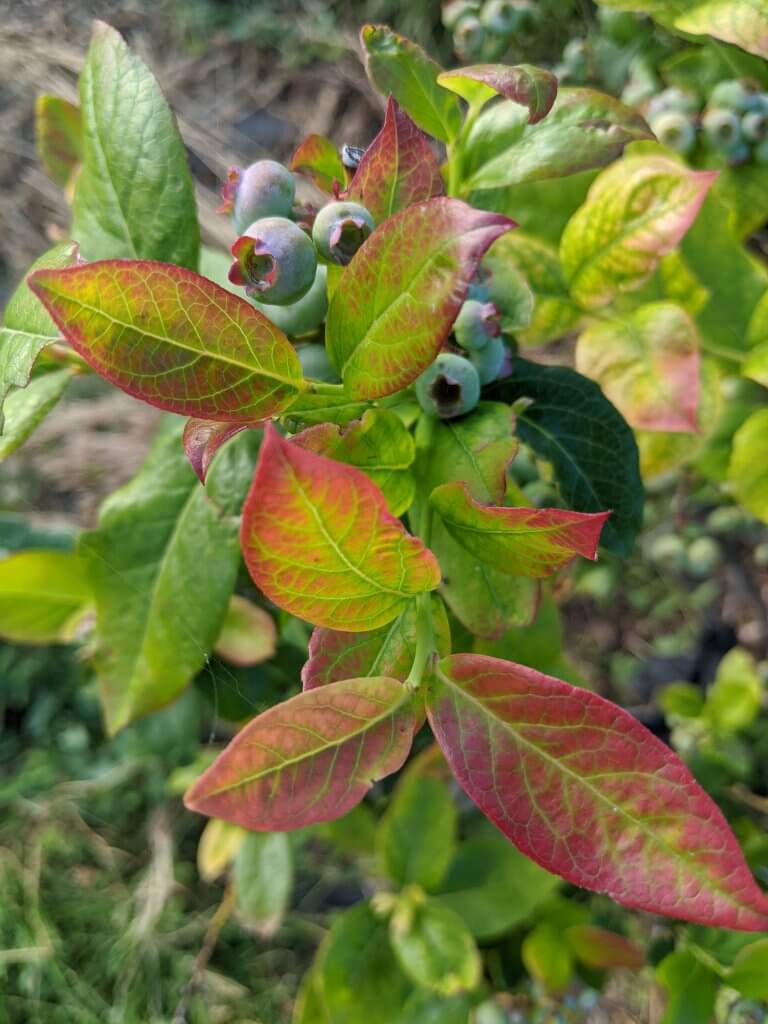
(321,387)
(425,630)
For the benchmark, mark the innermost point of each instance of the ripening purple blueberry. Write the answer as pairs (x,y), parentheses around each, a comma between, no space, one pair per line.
(476,324)
(274,261)
(340,229)
(264,189)
(449,387)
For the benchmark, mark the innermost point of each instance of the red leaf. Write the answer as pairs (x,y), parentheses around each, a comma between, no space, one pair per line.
(309,759)
(601,948)
(519,541)
(318,159)
(173,338)
(588,793)
(527,85)
(397,300)
(398,168)
(203,438)
(318,540)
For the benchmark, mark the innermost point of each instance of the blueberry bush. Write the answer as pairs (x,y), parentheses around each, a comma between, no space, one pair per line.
(362,439)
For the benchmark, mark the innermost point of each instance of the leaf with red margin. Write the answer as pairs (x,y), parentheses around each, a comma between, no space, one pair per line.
(172,338)
(388,651)
(318,540)
(527,85)
(397,301)
(309,759)
(203,438)
(588,793)
(59,133)
(397,169)
(318,159)
(520,541)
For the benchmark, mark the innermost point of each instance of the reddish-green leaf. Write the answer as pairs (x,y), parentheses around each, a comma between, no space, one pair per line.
(318,159)
(397,301)
(598,947)
(519,541)
(309,759)
(647,363)
(636,212)
(379,444)
(59,134)
(388,651)
(319,541)
(584,790)
(398,168)
(530,86)
(173,338)
(203,438)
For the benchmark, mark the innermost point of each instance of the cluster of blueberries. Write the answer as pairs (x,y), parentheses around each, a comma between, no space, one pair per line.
(281,258)
(734,120)
(483,30)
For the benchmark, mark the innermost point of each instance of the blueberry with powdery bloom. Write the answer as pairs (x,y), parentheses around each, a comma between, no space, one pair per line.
(449,387)
(339,231)
(274,261)
(264,189)
(476,324)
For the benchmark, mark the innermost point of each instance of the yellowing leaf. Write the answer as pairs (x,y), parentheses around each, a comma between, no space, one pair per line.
(248,634)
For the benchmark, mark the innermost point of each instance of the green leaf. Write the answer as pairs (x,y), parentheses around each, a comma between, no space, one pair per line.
(741,22)
(744,190)
(318,159)
(527,85)
(647,364)
(603,949)
(173,338)
(41,592)
(311,758)
(748,471)
(425,1007)
(435,949)
(310,409)
(518,541)
(681,700)
(508,290)
(541,208)
(416,836)
(398,67)
(734,279)
(58,131)
(133,197)
(568,423)
(583,130)
(736,696)
(547,957)
(248,634)
(385,328)
(756,365)
(493,887)
(378,444)
(27,407)
(27,326)
(554,312)
(691,988)
(263,877)
(636,211)
(360,978)
(163,561)
(217,848)
(749,974)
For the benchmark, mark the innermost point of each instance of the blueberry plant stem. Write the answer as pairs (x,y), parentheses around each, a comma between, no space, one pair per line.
(425,630)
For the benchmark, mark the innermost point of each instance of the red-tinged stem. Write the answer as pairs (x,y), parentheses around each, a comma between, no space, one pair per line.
(425,630)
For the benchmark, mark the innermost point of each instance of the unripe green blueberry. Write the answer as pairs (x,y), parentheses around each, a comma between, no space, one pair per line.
(455,10)
(723,127)
(754,125)
(275,260)
(265,189)
(449,387)
(523,467)
(668,552)
(682,101)
(489,361)
(476,324)
(340,229)
(703,556)
(733,95)
(620,26)
(726,519)
(305,315)
(315,363)
(675,130)
(468,37)
(502,17)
